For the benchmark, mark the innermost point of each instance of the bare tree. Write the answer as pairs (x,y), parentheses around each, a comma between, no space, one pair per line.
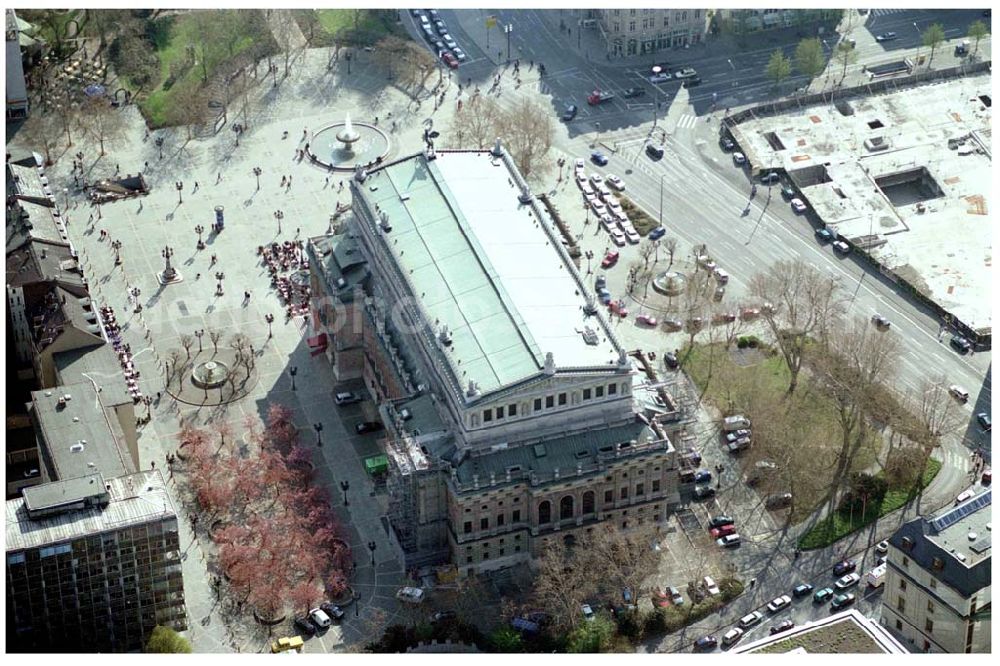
(528,131)
(42,129)
(694,304)
(102,121)
(478,118)
(215,335)
(670,244)
(187,341)
(731,327)
(173,363)
(805,304)
(390,55)
(188,107)
(646,252)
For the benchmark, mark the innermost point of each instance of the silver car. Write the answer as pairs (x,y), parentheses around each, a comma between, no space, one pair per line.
(449,40)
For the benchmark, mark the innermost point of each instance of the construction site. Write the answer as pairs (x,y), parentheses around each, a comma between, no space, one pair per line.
(901,172)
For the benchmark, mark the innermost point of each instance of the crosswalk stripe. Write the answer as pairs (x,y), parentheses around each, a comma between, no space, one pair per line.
(886,12)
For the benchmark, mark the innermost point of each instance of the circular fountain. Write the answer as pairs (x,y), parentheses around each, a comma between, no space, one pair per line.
(348,144)
(209,374)
(670,283)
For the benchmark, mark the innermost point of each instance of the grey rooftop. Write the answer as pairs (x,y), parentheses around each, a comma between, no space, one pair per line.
(480,262)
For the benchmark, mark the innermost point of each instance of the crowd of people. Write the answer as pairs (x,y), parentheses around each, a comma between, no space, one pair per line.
(123,351)
(283,258)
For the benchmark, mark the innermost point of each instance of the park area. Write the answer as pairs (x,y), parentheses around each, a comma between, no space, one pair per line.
(803,434)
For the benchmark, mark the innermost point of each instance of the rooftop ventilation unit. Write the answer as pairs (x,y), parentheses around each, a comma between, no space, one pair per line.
(78,447)
(405,414)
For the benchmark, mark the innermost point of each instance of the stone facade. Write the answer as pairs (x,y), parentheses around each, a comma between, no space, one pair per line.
(630,32)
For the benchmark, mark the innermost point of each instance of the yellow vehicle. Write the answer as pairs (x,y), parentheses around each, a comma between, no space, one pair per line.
(287,643)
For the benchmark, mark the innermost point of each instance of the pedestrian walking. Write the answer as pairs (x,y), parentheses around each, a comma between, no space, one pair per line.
(117,169)
(283,181)
(196,184)
(218,178)
(146,166)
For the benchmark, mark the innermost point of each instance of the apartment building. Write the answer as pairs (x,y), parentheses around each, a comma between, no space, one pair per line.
(938,589)
(510,408)
(93,565)
(630,32)
(743,21)
(93,558)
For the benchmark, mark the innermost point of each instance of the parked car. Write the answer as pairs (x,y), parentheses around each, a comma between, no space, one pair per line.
(882,547)
(787,192)
(610,259)
(685,73)
(673,324)
(703,476)
(739,159)
(410,595)
(619,308)
(737,434)
(958,393)
(960,344)
(850,580)
(675,596)
(615,182)
(802,590)
(731,636)
(617,237)
(692,82)
(654,151)
(657,233)
(588,612)
(440,26)
(709,584)
(842,601)
(320,618)
(368,426)
(885,37)
(881,322)
(347,398)
(646,319)
(724,530)
(633,92)
(779,603)
(822,595)
(984,419)
(798,205)
(449,60)
(443,616)
(460,54)
(844,566)
(600,282)
(305,626)
(751,619)
(599,158)
(841,247)
(719,521)
(287,643)
(704,492)
(727,144)
(662,77)
(824,235)
(670,360)
(449,40)
(782,626)
(335,612)
(599,97)
(604,296)
(706,643)
(729,541)
(570,112)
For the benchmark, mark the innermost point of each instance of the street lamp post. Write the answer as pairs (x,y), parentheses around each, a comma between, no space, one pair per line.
(199,334)
(318,427)
(256,172)
(168,270)
(597,134)
(509,28)
(200,230)
(220,276)
(345,486)
(357,597)
(347,56)
(180,186)
(269,318)
(159,144)
(279,215)
(371,547)
(294,370)
(656,98)
(660,216)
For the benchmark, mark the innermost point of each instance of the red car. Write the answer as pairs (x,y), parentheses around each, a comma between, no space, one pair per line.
(610,259)
(725,530)
(449,60)
(648,320)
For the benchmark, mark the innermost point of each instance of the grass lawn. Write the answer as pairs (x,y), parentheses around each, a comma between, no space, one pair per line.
(171,37)
(799,432)
(356,27)
(838,525)
(642,222)
(841,637)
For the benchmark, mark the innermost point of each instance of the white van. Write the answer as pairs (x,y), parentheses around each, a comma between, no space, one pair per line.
(721,276)
(876,577)
(737,422)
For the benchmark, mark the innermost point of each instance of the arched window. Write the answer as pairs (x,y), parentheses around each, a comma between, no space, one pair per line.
(566,507)
(588,502)
(544,512)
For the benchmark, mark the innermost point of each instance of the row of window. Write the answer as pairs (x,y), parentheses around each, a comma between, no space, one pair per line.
(484,523)
(549,402)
